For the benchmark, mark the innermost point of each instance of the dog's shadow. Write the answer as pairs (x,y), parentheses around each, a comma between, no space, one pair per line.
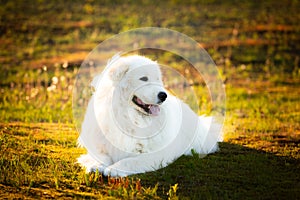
(235,172)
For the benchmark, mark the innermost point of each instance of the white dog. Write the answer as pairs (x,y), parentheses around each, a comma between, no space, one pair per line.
(133,125)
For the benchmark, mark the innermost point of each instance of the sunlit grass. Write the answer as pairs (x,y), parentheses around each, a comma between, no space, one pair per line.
(264,117)
(40,158)
(41,95)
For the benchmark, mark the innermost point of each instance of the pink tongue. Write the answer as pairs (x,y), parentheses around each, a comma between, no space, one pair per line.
(140,101)
(154,109)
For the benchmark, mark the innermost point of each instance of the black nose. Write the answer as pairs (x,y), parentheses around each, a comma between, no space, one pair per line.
(162,96)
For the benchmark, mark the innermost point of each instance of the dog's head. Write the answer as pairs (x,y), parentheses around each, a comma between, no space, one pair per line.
(138,80)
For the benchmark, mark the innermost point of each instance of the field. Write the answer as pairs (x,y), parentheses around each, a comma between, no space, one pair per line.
(255,45)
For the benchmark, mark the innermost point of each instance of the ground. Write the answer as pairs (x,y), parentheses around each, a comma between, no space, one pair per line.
(255,45)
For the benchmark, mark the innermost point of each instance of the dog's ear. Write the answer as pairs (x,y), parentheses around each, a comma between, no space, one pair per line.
(117,71)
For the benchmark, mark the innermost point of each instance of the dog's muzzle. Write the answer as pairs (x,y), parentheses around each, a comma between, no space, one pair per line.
(150,109)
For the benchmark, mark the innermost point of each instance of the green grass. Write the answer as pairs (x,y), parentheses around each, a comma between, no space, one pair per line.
(38,160)
(255,45)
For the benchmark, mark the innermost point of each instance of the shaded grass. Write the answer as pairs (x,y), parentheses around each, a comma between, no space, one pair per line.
(236,172)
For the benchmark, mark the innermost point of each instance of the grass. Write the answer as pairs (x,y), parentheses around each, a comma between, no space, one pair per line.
(43,44)
(37,160)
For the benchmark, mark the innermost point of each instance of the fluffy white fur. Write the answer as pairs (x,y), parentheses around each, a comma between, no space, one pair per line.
(123,139)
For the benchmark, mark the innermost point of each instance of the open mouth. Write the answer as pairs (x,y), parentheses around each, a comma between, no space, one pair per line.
(149,109)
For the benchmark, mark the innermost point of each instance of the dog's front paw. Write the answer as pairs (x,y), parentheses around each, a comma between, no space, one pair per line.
(121,169)
(90,164)
(115,172)
(100,168)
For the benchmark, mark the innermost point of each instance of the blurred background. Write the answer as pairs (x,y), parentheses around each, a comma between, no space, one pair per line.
(255,45)
(43,43)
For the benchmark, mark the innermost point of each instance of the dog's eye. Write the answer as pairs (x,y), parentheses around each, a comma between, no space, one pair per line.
(144,78)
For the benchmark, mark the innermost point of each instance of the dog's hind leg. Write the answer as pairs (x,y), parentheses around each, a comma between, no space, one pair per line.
(208,135)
